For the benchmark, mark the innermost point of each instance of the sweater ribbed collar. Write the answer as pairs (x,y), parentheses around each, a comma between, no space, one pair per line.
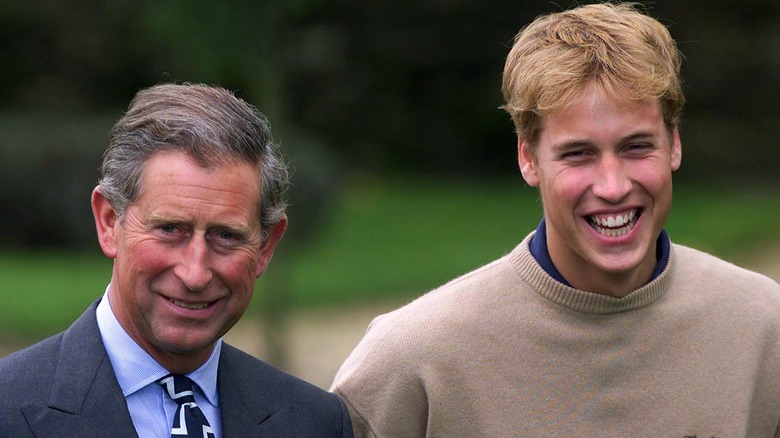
(581,301)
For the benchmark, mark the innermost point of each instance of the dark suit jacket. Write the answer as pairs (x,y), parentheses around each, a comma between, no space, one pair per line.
(65,387)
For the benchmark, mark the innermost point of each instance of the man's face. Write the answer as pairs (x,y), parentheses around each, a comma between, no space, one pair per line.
(604,170)
(186,255)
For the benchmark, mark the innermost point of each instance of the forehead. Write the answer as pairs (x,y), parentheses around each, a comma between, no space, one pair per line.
(174,180)
(593,112)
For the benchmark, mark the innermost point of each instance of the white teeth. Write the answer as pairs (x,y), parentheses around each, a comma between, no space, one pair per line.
(614,226)
(189,306)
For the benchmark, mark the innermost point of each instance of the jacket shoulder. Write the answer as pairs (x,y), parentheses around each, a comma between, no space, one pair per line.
(25,380)
(286,404)
(26,371)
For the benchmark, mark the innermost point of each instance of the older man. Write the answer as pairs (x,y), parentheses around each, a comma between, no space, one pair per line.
(190,208)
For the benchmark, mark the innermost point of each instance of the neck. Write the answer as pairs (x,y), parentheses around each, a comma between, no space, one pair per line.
(180,364)
(616,284)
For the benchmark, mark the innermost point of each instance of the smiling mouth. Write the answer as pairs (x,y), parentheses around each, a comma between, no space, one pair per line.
(614,225)
(184,305)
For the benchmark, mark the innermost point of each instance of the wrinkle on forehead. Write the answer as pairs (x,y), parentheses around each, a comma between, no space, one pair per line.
(182,189)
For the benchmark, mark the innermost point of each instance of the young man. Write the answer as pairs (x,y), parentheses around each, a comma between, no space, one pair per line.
(595,324)
(190,208)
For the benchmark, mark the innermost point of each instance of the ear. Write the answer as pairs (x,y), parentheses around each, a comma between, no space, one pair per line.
(106,223)
(676,150)
(525,160)
(269,246)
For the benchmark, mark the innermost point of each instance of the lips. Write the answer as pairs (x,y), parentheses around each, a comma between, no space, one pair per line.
(192,306)
(614,225)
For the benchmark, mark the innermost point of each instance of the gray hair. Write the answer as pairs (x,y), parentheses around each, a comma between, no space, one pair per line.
(209,124)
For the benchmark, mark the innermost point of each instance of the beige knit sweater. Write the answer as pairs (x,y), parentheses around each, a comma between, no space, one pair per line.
(506,351)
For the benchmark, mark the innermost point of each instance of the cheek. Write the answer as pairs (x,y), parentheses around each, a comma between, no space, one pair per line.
(238,270)
(145,259)
(655,179)
(565,187)
(238,276)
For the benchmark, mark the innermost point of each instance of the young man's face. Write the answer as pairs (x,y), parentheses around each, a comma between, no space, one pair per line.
(604,169)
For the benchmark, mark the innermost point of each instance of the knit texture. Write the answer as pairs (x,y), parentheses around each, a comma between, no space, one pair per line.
(507,351)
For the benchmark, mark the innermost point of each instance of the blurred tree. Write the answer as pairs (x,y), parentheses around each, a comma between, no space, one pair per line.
(395,86)
(81,55)
(379,86)
(732,58)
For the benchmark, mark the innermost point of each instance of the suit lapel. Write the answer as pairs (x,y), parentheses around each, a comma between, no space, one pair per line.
(86,399)
(244,404)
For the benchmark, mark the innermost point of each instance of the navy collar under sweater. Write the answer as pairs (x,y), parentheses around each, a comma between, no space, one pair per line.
(530,270)
(538,249)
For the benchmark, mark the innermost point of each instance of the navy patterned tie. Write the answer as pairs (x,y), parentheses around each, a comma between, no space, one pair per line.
(189,420)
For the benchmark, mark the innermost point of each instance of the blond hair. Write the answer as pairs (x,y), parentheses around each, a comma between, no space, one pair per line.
(628,54)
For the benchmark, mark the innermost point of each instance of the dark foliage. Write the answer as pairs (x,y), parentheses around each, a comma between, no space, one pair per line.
(376,86)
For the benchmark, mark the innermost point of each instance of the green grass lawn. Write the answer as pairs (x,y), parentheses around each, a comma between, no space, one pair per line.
(43,291)
(385,240)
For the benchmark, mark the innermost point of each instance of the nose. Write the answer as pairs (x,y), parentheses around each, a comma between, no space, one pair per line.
(193,268)
(612,182)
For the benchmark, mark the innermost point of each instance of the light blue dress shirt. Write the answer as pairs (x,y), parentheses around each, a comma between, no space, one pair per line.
(137,372)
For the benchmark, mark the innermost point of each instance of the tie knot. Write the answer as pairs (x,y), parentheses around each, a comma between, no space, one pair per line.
(178,387)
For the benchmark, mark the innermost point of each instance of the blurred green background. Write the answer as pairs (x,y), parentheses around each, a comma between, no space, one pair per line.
(405,169)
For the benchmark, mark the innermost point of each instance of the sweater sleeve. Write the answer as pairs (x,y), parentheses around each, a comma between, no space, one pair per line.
(382,385)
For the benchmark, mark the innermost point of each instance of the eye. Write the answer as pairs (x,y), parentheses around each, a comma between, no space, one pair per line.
(638,149)
(227,238)
(167,229)
(168,232)
(227,235)
(576,155)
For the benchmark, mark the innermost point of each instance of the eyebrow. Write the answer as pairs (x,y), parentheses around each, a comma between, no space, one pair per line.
(580,142)
(157,219)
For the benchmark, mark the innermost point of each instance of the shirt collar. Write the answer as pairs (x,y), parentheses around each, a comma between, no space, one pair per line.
(538,247)
(135,368)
